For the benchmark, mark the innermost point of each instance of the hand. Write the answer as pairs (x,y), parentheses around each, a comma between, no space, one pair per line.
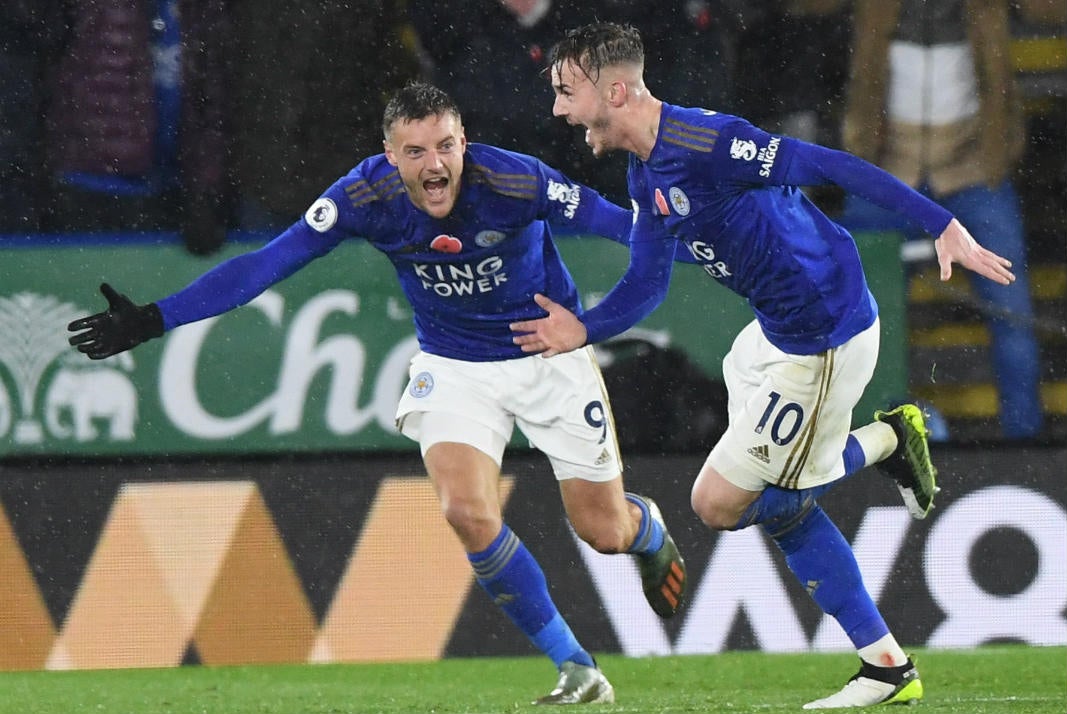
(560,332)
(956,245)
(123,326)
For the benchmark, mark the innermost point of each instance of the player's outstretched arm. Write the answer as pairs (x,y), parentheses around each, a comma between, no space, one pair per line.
(956,245)
(122,326)
(560,332)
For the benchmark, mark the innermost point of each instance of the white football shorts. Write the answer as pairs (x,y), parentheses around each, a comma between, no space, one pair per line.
(560,404)
(790,415)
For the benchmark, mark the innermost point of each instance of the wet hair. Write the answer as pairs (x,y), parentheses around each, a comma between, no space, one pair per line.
(416,101)
(598,45)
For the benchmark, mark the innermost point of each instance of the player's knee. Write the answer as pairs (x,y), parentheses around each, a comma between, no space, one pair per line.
(713,517)
(716,502)
(711,513)
(472,520)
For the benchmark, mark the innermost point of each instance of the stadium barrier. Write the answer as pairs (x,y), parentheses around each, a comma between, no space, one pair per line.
(345,558)
(316,363)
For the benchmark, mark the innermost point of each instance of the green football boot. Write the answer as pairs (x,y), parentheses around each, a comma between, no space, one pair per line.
(910,464)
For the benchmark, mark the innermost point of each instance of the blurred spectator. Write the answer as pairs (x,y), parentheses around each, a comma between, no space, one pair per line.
(1040,55)
(690,53)
(135,132)
(310,81)
(29,36)
(794,68)
(931,98)
(689,46)
(490,56)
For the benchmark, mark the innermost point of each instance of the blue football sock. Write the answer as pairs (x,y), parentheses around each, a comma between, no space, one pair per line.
(649,538)
(853,455)
(776,507)
(823,562)
(508,572)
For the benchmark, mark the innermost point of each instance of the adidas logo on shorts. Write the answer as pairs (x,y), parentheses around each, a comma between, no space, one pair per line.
(603,458)
(761,452)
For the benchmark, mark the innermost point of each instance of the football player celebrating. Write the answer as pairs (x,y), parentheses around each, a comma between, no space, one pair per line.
(715,187)
(467,228)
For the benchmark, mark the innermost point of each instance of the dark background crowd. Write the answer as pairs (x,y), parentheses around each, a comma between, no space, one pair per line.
(200,115)
(204,117)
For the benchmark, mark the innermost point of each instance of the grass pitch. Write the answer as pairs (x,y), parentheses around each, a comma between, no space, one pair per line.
(995,679)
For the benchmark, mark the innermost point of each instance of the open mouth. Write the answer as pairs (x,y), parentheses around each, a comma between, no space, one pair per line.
(435,188)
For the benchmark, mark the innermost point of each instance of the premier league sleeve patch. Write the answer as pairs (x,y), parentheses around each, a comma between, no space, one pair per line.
(322,216)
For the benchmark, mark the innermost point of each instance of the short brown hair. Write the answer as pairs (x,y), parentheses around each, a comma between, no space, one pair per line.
(415,101)
(598,45)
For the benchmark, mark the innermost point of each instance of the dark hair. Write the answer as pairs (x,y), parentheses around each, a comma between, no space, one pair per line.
(415,101)
(598,45)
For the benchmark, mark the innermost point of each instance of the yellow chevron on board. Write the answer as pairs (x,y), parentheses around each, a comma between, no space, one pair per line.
(26,630)
(405,583)
(978,401)
(256,611)
(1039,54)
(1048,281)
(180,564)
(122,614)
(951,334)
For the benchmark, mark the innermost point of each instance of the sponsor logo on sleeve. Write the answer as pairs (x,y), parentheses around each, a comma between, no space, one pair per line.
(742,149)
(565,193)
(766,156)
(746,150)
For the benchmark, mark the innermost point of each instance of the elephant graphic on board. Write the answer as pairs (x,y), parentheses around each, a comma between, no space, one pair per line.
(87,395)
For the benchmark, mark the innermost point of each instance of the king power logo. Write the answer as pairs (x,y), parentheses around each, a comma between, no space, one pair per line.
(51,393)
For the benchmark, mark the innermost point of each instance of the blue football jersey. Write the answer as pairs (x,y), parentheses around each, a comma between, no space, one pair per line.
(724,188)
(467,276)
(720,192)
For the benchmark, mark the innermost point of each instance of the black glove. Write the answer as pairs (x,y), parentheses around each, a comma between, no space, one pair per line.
(122,327)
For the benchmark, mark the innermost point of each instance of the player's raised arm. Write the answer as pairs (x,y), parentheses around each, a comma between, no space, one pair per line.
(232,283)
(812,164)
(956,245)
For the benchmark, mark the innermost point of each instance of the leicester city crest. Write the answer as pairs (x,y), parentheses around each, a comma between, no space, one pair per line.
(679,200)
(485,239)
(421,385)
